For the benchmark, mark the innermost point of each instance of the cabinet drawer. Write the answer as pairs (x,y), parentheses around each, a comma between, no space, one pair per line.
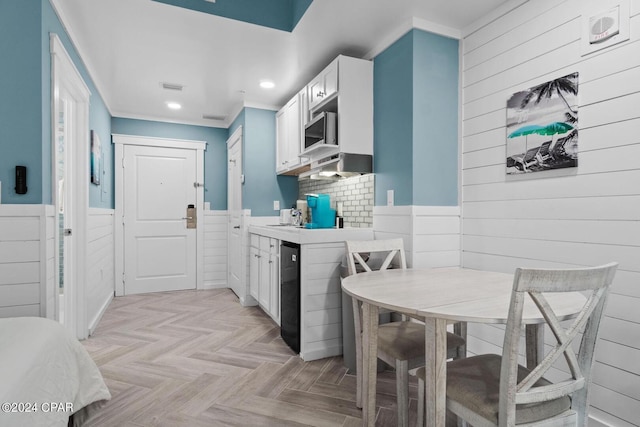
(270,245)
(254,240)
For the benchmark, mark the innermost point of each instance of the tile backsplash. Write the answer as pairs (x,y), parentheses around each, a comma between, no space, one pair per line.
(355,193)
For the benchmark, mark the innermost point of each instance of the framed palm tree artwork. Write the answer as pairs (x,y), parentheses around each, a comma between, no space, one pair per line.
(542,127)
(96,158)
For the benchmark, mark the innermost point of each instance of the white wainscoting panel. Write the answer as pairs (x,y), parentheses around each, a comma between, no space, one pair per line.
(215,249)
(576,217)
(24,250)
(431,234)
(100,264)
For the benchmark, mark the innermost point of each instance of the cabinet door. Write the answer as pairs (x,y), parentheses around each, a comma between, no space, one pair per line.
(264,293)
(274,285)
(282,134)
(254,273)
(324,85)
(330,79)
(315,91)
(293,132)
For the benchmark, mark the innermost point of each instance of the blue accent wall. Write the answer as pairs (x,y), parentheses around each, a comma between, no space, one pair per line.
(416,121)
(21,88)
(435,120)
(261,183)
(215,155)
(393,121)
(278,14)
(25,114)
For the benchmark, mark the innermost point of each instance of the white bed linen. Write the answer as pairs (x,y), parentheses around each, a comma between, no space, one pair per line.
(42,365)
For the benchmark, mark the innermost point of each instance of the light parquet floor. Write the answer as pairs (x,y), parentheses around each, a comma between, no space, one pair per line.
(198,358)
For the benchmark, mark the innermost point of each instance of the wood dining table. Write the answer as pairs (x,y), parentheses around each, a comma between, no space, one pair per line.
(440,296)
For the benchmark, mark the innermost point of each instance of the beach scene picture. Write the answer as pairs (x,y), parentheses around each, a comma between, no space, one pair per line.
(542,127)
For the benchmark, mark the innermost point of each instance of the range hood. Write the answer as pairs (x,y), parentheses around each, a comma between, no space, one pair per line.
(341,165)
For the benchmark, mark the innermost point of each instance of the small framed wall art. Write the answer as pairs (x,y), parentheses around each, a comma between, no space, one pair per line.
(542,127)
(96,158)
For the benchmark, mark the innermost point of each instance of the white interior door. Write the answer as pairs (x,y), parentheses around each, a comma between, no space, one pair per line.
(70,188)
(159,248)
(234,206)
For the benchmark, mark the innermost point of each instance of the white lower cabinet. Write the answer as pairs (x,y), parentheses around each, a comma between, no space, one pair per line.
(264,274)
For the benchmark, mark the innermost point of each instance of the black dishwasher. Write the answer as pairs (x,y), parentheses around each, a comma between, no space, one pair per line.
(290,294)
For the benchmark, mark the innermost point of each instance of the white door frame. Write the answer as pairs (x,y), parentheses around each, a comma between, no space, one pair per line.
(65,75)
(245,299)
(120,141)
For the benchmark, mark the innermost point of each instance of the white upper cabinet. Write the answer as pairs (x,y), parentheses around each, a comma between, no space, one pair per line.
(344,87)
(348,91)
(290,121)
(324,86)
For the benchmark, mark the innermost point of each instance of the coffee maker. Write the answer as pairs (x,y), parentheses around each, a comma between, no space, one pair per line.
(322,216)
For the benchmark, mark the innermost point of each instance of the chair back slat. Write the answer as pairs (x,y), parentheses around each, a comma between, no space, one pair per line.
(394,249)
(533,284)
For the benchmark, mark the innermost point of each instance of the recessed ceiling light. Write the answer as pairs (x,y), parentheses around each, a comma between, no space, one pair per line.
(174,105)
(267,84)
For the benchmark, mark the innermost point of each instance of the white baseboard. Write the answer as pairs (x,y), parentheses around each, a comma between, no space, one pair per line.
(96,319)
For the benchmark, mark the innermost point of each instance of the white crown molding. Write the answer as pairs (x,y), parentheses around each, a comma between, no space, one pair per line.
(204,122)
(90,69)
(408,25)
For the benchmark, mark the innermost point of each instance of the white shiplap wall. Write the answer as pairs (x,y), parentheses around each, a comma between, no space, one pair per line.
(100,264)
(431,234)
(26,253)
(585,216)
(215,249)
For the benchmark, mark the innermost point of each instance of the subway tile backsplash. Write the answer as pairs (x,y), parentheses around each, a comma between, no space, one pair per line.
(355,193)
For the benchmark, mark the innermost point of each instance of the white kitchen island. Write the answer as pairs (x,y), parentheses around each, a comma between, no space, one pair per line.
(321,254)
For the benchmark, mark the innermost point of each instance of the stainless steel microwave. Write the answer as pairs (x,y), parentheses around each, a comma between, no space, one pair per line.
(322,130)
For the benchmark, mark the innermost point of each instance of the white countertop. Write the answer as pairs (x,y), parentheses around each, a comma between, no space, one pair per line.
(303,236)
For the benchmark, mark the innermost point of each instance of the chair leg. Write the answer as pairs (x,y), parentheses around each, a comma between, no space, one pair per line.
(359,379)
(421,386)
(460,329)
(402,390)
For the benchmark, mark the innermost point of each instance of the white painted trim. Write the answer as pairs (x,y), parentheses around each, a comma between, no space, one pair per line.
(90,69)
(96,319)
(234,138)
(237,109)
(235,112)
(119,142)
(408,25)
(202,122)
(200,219)
(433,27)
(118,218)
(20,210)
(158,142)
(260,106)
(63,70)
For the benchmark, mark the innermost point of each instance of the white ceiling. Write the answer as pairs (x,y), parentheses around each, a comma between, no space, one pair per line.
(131,46)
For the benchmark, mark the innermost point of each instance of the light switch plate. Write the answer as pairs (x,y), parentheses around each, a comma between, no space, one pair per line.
(390,197)
(276,205)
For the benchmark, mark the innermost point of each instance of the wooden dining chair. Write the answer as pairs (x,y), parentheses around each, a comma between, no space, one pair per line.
(493,390)
(400,343)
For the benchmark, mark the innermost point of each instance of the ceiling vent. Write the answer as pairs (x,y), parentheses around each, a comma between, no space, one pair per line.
(172,86)
(214,117)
